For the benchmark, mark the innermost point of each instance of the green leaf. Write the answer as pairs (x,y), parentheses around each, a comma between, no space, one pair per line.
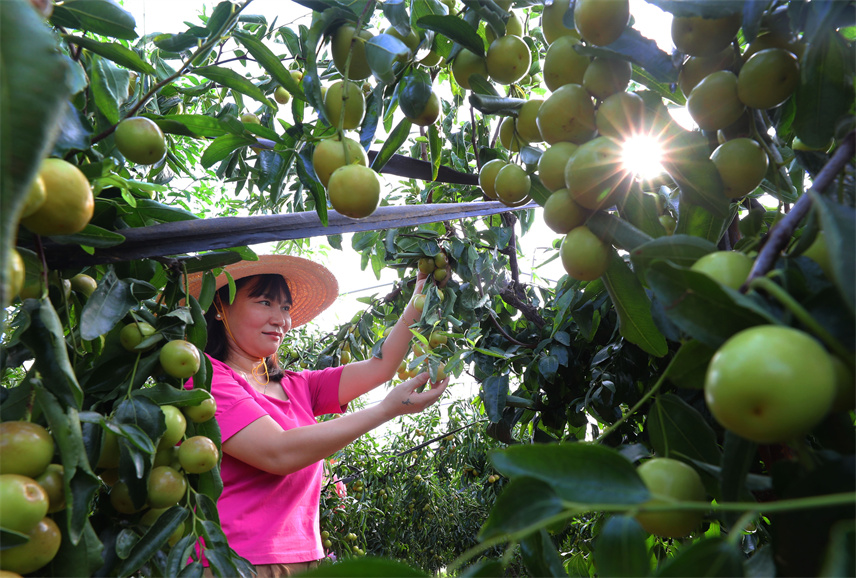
(640,210)
(80,484)
(538,191)
(697,221)
(271,63)
(153,540)
(34,78)
(91,235)
(737,459)
(396,13)
(707,557)
(523,504)
(682,250)
(231,79)
(178,43)
(700,306)
(700,184)
(46,339)
(620,549)
(825,92)
(675,427)
(837,223)
(689,366)
(502,105)
(103,17)
(641,51)
(617,231)
(109,87)
(435,148)
(82,558)
(107,305)
(577,472)
(495,389)
(414,90)
(382,51)
(310,181)
(393,142)
(365,567)
(455,29)
(540,555)
(633,307)
(114,51)
(199,125)
(223,146)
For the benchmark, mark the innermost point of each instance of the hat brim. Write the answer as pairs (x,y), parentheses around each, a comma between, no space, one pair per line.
(313,287)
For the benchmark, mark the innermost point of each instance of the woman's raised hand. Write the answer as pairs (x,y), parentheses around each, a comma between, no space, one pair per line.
(404,398)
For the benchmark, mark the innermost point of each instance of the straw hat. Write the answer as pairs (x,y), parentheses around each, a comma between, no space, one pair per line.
(313,287)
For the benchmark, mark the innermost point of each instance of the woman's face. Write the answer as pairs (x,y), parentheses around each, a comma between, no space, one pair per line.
(258,323)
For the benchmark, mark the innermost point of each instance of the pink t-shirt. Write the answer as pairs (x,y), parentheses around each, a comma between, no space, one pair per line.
(269,518)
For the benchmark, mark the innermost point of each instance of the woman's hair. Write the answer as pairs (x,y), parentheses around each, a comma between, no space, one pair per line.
(273,286)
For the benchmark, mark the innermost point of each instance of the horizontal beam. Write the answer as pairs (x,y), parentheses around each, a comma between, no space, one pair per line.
(181,237)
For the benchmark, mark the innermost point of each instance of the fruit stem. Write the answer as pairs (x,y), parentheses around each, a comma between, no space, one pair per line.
(639,404)
(779,294)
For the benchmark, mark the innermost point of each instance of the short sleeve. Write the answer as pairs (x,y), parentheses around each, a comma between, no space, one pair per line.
(236,408)
(324,389)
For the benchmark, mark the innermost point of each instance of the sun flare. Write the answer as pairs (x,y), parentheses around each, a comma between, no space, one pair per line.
(642,155)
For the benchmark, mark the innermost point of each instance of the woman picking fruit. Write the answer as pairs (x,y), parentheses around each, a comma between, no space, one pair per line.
(272,444)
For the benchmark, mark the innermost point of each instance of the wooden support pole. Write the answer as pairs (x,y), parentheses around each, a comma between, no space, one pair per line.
(181,237)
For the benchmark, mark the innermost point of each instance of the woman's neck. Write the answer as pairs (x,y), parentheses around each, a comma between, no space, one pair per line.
(241,362)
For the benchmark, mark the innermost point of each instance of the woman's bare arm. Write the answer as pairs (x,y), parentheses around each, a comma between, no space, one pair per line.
(265,445)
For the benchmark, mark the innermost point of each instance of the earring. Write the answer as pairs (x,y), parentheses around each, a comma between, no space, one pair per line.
(218,316)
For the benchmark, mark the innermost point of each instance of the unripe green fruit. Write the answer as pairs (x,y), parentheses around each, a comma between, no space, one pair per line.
(84,284)
(563,64)
(467,63)
(698,67)
(698,36)
(508,59)
(730,268)
(180,358)
(23,503)
(552,22)
(140,140)
(713,104)
(562,214)
(567,115)
(670,480)
(742,164)
(198,455)
(281,95)
(429,114)
(426,265)
(411,40)
(353,101)
(354,191)
(487,176)
(330,154)
(36,196)
(166,487)
(509,137)
(134,333)
(619,115)
(601,22)
(176,425)
(768,78)
(551,165)
(69,203)
(596,173)
(42,547)
(51,481)
(770,384)
(607,76)
(584,256)
(341,45)
(26,448)
(512,185)
(527,125)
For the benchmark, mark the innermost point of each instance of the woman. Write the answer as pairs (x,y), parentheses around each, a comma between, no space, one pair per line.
(272,445)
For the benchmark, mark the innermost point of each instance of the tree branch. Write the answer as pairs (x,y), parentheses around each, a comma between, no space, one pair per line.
(782,232)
